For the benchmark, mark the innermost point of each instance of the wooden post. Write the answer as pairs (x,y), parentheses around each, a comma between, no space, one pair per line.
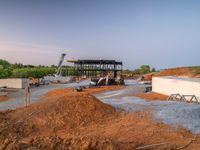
(27,95)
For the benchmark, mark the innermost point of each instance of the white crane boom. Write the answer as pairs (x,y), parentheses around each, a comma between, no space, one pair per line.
(58,72)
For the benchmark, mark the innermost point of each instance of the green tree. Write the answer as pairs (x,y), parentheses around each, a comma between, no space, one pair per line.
(53,66)
(4,63)
(16,65)
(1,68)
(32,72)
(127,71)
(4,73)
(144,69)
(136,71)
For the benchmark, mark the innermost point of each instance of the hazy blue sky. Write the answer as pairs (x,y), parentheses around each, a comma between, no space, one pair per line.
(162,33)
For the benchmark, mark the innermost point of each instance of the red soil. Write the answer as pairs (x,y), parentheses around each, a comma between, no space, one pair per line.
(70,120)
(152,96)
(183,71)
(4,98)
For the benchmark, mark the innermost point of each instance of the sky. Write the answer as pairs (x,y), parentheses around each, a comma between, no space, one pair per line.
(161,33)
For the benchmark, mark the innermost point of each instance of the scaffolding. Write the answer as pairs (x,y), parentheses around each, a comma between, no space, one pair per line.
(93,68)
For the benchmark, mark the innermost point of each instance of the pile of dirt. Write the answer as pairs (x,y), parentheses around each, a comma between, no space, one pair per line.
(60,109)
(55,142)
(69,112)
(152,96)
(182,71)
(70,120)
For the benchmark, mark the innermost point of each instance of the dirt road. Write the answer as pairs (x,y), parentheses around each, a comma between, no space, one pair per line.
(17,99)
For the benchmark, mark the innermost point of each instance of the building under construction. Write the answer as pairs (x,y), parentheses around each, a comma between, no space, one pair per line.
(93,68)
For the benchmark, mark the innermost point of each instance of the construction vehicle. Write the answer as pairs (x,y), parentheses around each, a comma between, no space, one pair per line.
(105,79)
(34,81)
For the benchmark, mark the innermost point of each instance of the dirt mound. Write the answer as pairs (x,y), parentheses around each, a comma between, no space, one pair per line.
(53,142)
(60,109)
(152,96)
(183,71)
(71,120)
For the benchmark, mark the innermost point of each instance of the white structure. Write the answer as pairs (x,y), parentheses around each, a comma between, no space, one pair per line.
(14,83)
(173,85)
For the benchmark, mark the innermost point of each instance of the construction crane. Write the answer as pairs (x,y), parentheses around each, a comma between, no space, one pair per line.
(58,71)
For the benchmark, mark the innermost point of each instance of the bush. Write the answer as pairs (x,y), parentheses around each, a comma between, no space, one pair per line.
(32,72)
(144,69)
(4,63)
(4,73)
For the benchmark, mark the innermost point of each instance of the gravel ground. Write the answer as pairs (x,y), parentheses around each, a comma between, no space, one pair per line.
(178,114)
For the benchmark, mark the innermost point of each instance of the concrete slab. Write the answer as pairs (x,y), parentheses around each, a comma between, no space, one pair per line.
(14,83)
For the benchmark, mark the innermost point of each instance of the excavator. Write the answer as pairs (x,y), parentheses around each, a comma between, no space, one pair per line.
(34,81)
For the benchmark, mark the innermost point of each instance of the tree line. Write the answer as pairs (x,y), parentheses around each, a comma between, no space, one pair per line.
(18,70)
(143,69)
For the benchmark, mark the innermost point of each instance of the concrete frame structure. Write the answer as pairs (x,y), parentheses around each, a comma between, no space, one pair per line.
(14,83)
(176,85)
